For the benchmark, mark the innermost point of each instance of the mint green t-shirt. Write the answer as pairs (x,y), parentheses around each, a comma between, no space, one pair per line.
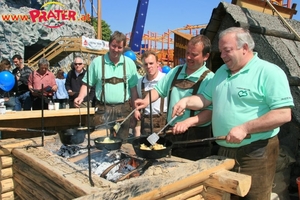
(114,93)
(163,87)
(256,89)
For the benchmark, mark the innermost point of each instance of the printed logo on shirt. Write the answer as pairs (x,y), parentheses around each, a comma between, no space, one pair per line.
(243,93)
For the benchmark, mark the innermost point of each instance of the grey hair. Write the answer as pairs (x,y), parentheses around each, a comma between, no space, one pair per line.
(78,57)
(242,36)
(43,61)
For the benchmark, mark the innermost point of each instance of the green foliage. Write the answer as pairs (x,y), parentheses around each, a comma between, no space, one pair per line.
(106,32)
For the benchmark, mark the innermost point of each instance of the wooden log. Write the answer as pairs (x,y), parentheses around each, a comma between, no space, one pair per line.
(73,185)
(6,173)
(35,189)
(7,185)
(186,193)
(215,194)
(27,171)
(197,197)
(8,196)
(27,142)
(186,182)
(24,194)
(231,182)
(6,161)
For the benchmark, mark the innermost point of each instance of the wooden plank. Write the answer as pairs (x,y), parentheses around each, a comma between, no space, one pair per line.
(24,194)
(47,113)
(35,189)
(186,182)
(27,171)
(231,182)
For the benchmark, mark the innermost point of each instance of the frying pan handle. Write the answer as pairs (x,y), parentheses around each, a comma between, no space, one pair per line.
(248,136)
(12,129)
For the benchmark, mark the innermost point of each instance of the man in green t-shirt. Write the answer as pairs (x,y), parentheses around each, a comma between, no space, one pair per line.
(250,96)
(115,78)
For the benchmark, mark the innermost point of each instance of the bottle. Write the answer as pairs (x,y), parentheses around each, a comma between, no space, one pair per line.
(67,105)
(50,105)
(2,108)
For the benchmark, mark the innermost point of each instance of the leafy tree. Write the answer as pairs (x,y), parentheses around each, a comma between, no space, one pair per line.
(106,32)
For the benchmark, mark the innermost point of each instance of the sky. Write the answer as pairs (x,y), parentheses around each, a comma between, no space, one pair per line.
(162,15)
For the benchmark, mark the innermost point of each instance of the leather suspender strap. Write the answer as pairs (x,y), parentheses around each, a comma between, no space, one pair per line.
(124,79)
(172,85)
(102,99)
(196,87)
(113,80)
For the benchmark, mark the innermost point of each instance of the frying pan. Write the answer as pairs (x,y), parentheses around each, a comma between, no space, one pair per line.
(155,154)
(151,154)
(102,145)
(73,135)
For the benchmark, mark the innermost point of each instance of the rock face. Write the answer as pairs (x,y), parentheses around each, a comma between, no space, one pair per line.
(25,37)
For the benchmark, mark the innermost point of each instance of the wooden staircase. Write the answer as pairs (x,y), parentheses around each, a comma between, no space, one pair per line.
(60,49)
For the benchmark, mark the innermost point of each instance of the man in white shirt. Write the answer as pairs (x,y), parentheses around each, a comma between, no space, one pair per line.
(145,84)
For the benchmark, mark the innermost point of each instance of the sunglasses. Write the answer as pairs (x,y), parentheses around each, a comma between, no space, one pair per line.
(77,63)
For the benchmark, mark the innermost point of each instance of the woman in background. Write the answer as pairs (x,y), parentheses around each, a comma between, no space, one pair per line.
(61,95)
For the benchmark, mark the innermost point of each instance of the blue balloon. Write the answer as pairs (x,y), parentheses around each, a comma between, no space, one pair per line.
(7,81)
(130,54)
(166,69)
(65,74)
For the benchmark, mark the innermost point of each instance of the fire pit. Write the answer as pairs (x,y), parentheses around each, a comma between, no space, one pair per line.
(34,166)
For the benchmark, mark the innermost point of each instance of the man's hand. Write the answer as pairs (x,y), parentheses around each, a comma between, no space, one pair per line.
(140,104)
(236,134)
(179,107)
(180,127)
(137,115)
(77,102)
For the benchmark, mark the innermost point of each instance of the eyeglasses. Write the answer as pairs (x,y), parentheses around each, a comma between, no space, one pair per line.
(77,63)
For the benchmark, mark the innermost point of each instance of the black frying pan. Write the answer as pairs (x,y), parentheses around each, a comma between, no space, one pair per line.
(151,154)
(101,144)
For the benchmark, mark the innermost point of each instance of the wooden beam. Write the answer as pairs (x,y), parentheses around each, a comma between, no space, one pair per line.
(186,182)
(36,190)
(27,171)
(186,193)
(231,182)
(6,161)
(215,194)
(74,186)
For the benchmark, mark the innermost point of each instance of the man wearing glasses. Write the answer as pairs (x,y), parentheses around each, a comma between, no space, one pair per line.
(74,82)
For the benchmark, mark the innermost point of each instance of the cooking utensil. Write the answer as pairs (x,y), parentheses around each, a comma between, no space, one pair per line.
(79,118)
(107,123)
(206,139)
(72,136)
(101,143)
(26,129)
(117,126)
(151,154)
(153,138)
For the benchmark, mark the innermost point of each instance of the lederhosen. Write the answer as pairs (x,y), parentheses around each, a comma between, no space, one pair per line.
(111,112)
(158,119)
(194,151)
